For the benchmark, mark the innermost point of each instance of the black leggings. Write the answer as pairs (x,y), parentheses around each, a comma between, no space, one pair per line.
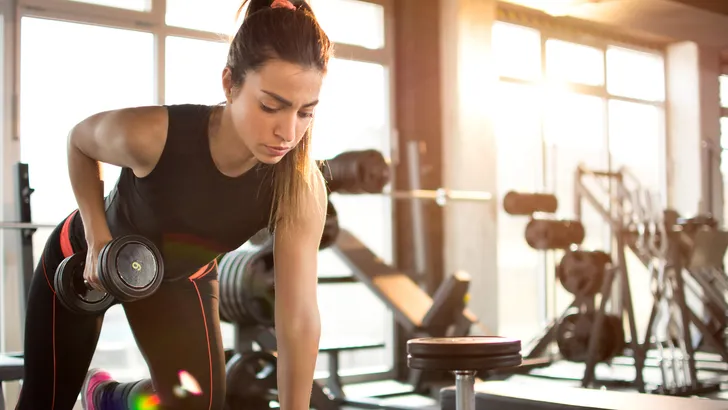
(176,329)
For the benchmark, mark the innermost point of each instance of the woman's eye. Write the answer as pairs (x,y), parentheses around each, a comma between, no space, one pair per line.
(305,114)
(267,109)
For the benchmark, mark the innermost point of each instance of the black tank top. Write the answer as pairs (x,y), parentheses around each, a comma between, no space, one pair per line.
(186,206)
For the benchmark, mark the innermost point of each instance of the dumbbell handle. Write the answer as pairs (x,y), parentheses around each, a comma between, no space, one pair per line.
(85,282)
(464,390)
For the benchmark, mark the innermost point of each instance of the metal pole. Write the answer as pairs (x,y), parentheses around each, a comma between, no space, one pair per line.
(465,390)
(419,235)
(441,195)
(25,225)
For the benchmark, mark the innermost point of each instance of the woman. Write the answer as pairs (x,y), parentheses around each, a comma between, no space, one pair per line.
(198,181)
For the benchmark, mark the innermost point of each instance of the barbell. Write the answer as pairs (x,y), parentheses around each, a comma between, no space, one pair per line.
(367,172)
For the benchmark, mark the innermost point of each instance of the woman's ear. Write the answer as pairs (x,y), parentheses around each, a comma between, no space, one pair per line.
(227,84)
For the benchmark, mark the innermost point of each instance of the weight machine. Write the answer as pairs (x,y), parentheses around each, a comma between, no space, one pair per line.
(684,259)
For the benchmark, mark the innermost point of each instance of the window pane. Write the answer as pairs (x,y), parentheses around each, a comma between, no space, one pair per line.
(217,16)
(193,71)
(520,168)
(635,140)
(140,5)
(635,74)
(575,63)
(351,21)
(355,92)
(724,91)
(110,69)
(517,51)
(574,133)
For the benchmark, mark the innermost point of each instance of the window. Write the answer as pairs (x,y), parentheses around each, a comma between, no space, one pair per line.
(193,71)
(355,93)
(517,51)
(351,21)
(574,134)
(635,141)
(216,16)
(724,91)
(520,168)
(111,69)
(635,74)
(574,63)
(139,5)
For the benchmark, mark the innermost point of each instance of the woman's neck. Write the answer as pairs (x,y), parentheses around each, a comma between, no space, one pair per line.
(229,153)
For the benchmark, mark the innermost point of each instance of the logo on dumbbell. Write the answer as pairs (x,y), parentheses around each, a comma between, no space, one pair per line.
(137,266)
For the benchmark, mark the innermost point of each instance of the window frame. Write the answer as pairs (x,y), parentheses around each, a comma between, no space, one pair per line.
(152,21)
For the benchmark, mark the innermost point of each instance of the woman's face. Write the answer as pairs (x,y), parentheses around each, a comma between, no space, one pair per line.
(273,108)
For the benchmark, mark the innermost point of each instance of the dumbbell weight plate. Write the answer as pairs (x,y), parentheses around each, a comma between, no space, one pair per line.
(73,293)
(131,268)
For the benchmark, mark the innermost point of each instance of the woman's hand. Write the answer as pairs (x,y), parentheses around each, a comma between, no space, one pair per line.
(91,270)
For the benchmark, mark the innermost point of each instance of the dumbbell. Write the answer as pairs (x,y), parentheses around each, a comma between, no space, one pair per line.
(129,267)
(463,356)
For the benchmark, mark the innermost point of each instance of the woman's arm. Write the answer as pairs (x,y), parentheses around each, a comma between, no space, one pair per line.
(131,137)
(297,321)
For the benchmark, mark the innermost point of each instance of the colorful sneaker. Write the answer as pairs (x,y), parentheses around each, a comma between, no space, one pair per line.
(94,378)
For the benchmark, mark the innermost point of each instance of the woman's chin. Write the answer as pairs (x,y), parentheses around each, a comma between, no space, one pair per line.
(267,158)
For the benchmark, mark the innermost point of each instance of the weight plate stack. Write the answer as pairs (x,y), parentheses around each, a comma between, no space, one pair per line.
(247,295)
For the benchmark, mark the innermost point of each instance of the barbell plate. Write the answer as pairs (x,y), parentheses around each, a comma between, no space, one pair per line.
(470,346)
(464,363)
(251,374)
(574,333)
(582,272)
(521,203)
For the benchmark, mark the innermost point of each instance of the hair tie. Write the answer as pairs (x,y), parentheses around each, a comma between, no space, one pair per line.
(283,3)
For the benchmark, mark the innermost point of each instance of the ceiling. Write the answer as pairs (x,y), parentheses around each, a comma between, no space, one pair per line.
(702,21)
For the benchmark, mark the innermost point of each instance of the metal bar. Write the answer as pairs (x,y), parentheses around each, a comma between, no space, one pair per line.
(441,195)
(465,390)
(25,225)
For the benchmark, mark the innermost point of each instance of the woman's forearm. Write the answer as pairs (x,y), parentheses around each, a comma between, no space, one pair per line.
(298,344)
(88,188)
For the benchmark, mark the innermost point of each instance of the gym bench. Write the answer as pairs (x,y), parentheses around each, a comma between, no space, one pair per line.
(332,350)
